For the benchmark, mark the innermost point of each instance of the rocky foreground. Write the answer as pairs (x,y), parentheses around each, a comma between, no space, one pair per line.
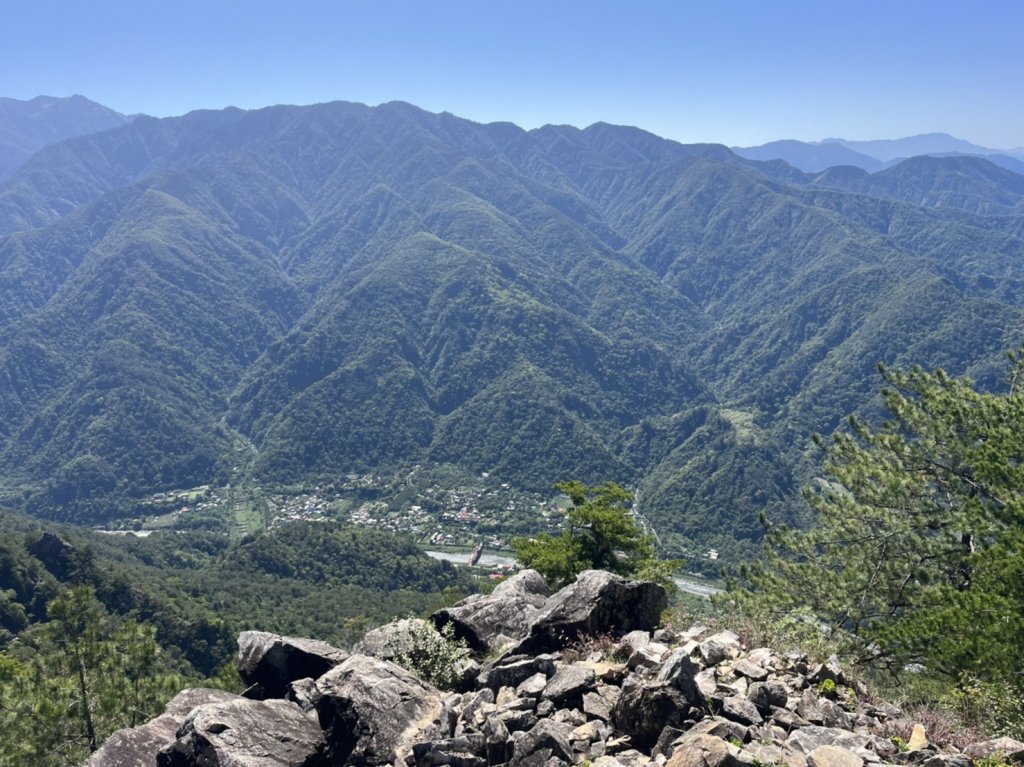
(583,676)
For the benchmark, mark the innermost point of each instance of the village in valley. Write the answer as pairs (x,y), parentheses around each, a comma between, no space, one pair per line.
(440,507)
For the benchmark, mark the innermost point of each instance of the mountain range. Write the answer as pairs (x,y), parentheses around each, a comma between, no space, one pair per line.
(305,292)
(816,156)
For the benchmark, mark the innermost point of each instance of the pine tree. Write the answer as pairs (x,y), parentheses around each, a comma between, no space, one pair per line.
(916,552)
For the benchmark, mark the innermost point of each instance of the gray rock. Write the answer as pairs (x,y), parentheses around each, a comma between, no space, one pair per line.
(546,740)
(532,687)
(766,695)
(567,686)
(373,712)
(507,612)
(303,693)
(138,746)
(596,706)
(830,670)
(468,751)
(703,751)
(720,727)
(948,760)
(681,671)
(751,671)
(268,663)
(389,641)
(833,756)
(644,710)
(719,647)
(806,739)
(253,733)
(1008,748)
(598,602)
(514,670)
(647,655)
(740,710)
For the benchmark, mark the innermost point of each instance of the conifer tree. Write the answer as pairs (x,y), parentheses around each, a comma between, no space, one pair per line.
(916,555)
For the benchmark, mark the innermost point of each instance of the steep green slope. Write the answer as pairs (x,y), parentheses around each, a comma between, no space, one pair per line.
(306,292)
(972,184)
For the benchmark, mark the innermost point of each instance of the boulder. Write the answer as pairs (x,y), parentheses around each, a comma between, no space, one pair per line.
(254,733)
(567,686)
(389,641)
(487,622)
(719,647)
(597,603)
(138,746)
(373,712)
(512,671)
(546,740)
(767,695)
(643,710)
(1008,748)
(268,663)
(703,751)
(833,756)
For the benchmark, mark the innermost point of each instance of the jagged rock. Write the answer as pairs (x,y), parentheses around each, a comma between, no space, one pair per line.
(606,671)
(597,706)
(507,612)
(254,733)
(634,640)
(719,647)
(750,670)
(647,655)
(806,739)
(766,695)
(393,639)
(589,731)
(720,727)
(268,663)
(138,746)
(598,602)
(532,687)
(1008,748)
(512,671)
(740,710)
(830,670)
(568,684)
(373,712)
(468,751)
(497,741)
(303,693)
(545,740)
(948,760)
(644,710)
(833,756)
(703,751)
(681,671)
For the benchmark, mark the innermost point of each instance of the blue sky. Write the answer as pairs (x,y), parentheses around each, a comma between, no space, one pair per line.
(737,72)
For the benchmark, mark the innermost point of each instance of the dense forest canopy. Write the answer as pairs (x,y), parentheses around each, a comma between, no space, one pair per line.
(295,294)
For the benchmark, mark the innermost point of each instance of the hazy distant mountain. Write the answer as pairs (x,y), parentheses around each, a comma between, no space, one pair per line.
(967,183)
(810,157)
(912,146)
(27,126)
(309,291)
(816,156)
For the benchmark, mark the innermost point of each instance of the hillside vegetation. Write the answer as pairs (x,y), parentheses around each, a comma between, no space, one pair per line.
(297,293)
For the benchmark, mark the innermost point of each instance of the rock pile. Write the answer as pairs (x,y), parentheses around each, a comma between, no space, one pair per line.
(583,677)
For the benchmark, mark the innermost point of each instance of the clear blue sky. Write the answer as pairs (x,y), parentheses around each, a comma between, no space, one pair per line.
(739,72)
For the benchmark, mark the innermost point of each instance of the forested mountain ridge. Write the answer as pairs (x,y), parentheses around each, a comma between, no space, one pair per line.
(339,288)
